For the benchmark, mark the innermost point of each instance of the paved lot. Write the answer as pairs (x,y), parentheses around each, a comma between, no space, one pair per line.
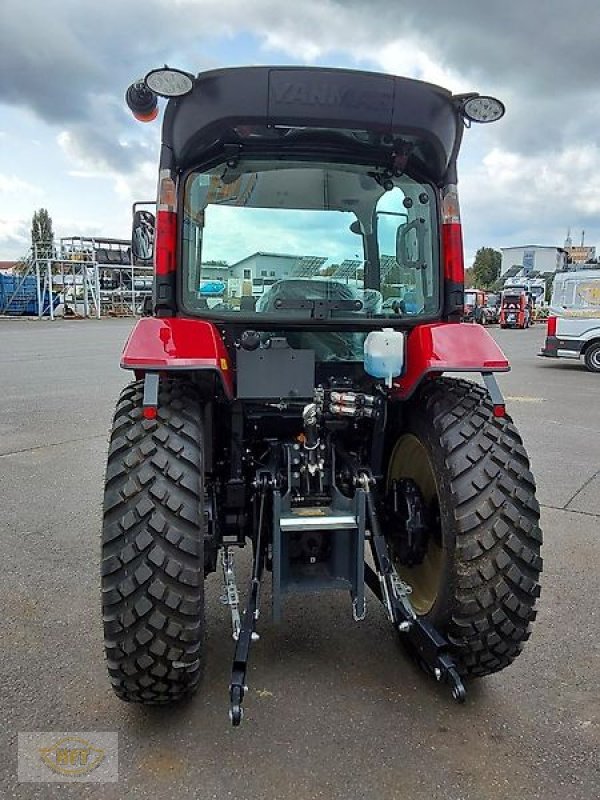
(335,710)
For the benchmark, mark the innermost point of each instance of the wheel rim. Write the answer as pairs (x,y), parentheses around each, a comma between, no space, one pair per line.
(410,460)
(595,358)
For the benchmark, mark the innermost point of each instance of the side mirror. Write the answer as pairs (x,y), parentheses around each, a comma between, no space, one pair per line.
(142,237)
(410,244)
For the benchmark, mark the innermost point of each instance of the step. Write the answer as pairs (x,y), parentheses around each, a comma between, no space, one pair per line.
(316,518)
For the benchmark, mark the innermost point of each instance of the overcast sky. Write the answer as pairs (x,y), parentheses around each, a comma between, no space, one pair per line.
(68,143)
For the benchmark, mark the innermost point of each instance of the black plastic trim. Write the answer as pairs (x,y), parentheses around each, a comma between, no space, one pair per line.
(554,343)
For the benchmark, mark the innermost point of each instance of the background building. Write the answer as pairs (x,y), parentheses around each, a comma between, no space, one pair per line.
(579,254)
(255,273)
(264,265)
(533,258)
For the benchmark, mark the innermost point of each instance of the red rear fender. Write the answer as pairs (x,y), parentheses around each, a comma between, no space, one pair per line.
(448,347)
(176,343)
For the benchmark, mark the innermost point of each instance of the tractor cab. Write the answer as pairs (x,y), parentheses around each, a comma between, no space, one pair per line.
(345,181)
(289,393)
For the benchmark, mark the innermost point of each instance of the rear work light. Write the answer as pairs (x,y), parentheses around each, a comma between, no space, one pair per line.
(165,248)
(452,244)
(551,326)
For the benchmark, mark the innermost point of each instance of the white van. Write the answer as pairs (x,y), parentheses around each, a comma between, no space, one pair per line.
(574,321)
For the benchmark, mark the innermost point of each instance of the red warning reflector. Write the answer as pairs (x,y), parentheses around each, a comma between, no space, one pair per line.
(499,410)
(150,412)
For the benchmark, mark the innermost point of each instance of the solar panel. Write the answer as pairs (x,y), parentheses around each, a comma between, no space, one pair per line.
(386,265)
(307,266)
(347,269)
(511,272)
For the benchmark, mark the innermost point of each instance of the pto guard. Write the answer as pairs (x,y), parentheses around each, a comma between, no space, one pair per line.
(443,347)
(177,344)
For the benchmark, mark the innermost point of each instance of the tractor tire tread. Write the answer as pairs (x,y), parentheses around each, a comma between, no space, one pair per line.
(152,559)
(496,515)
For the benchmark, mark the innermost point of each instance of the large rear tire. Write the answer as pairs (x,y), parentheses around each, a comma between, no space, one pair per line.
(152,547)
(478,582)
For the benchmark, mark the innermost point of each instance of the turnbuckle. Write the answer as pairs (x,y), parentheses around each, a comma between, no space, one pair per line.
(230,596)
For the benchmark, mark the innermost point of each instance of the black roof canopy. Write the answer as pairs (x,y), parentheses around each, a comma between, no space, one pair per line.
(290,108)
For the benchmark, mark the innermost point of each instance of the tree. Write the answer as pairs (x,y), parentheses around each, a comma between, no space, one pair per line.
(486,267)
(42,234)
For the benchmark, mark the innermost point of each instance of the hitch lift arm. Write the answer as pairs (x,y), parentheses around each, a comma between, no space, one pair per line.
(246,633)
(429,646)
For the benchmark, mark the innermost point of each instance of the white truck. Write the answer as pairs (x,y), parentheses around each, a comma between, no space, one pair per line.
(574,322)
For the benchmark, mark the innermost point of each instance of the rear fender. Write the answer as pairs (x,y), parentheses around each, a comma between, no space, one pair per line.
(175,344)
(447,347)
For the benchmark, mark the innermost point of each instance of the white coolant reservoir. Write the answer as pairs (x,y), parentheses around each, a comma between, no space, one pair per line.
(384,354)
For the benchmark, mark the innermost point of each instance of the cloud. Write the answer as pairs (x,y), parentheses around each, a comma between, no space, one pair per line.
(69,63)
(63,65)
(510,198)
(139,186)
(10,184)
(15,238)
(71,66)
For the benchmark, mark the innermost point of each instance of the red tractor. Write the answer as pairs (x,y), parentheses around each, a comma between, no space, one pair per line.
(293,411)
(473,306)
(516,309)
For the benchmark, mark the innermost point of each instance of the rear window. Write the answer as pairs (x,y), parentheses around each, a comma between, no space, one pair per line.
(309,240)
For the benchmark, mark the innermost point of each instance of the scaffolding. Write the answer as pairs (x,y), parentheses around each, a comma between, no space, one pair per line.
(79,277)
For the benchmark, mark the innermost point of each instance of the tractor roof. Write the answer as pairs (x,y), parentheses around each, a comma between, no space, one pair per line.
(312,108)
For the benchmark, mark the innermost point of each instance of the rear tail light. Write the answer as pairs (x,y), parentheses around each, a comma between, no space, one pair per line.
(551,326)
(165,248)
(166,242)
(452,244)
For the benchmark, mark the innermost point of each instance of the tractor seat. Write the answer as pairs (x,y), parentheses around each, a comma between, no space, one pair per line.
(316,289)
(327,345)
